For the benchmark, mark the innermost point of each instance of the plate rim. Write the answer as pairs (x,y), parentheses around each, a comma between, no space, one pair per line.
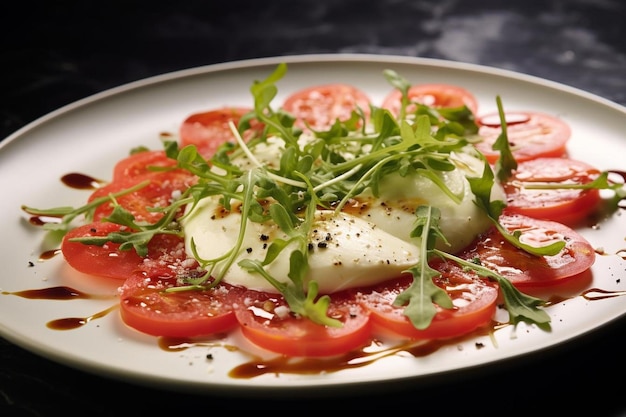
(304,59)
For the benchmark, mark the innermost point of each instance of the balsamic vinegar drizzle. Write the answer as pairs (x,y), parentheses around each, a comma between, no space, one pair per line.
(81,181)
(281,364)
(69,323)
(310,366)
(599,294)
(65,293)
(52,293)
(257,366)
(49,254)
(73,180)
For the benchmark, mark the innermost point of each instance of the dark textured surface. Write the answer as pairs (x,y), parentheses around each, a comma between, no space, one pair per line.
(54,53)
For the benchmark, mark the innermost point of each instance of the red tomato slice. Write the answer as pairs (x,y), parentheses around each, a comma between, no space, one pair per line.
(107,261)
(163,187)
(208,130)
(145,307)
(265,321)
(527,271)
(568,206)
(111,262)
(474,301)
(140,163)
(320,106)
(432,95)
(531,135)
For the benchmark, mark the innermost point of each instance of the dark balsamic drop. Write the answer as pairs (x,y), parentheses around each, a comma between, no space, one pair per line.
(81,181)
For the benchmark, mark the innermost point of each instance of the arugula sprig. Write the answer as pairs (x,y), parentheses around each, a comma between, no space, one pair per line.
(481,187)
(520,306)
(136,235)
(506,164)
(68,214)
(422,295)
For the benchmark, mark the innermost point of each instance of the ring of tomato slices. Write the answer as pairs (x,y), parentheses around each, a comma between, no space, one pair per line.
(527,271)
(568,206)
(474,301)
(530,134)
(266,321)
(265,318)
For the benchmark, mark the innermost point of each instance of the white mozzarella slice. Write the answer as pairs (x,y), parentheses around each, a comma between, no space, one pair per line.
(394,210)
(345,251)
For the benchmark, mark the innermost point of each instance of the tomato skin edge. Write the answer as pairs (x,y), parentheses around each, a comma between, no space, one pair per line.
(541,135)
(146,307)
(322,347)
(447,323)
(177,328)
(295,336)
(569,214)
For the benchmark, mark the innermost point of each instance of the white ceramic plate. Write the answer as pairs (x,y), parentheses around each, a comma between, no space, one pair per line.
(91,135)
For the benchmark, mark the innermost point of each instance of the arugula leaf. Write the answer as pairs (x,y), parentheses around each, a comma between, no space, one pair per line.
(506,163)
(138,235)
(402,84)
(481,187)
(520,306)
(69,214)
(422,295)
(305,305)
(418,299)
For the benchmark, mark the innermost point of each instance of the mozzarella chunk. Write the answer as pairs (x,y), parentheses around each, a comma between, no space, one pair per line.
(345,251)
